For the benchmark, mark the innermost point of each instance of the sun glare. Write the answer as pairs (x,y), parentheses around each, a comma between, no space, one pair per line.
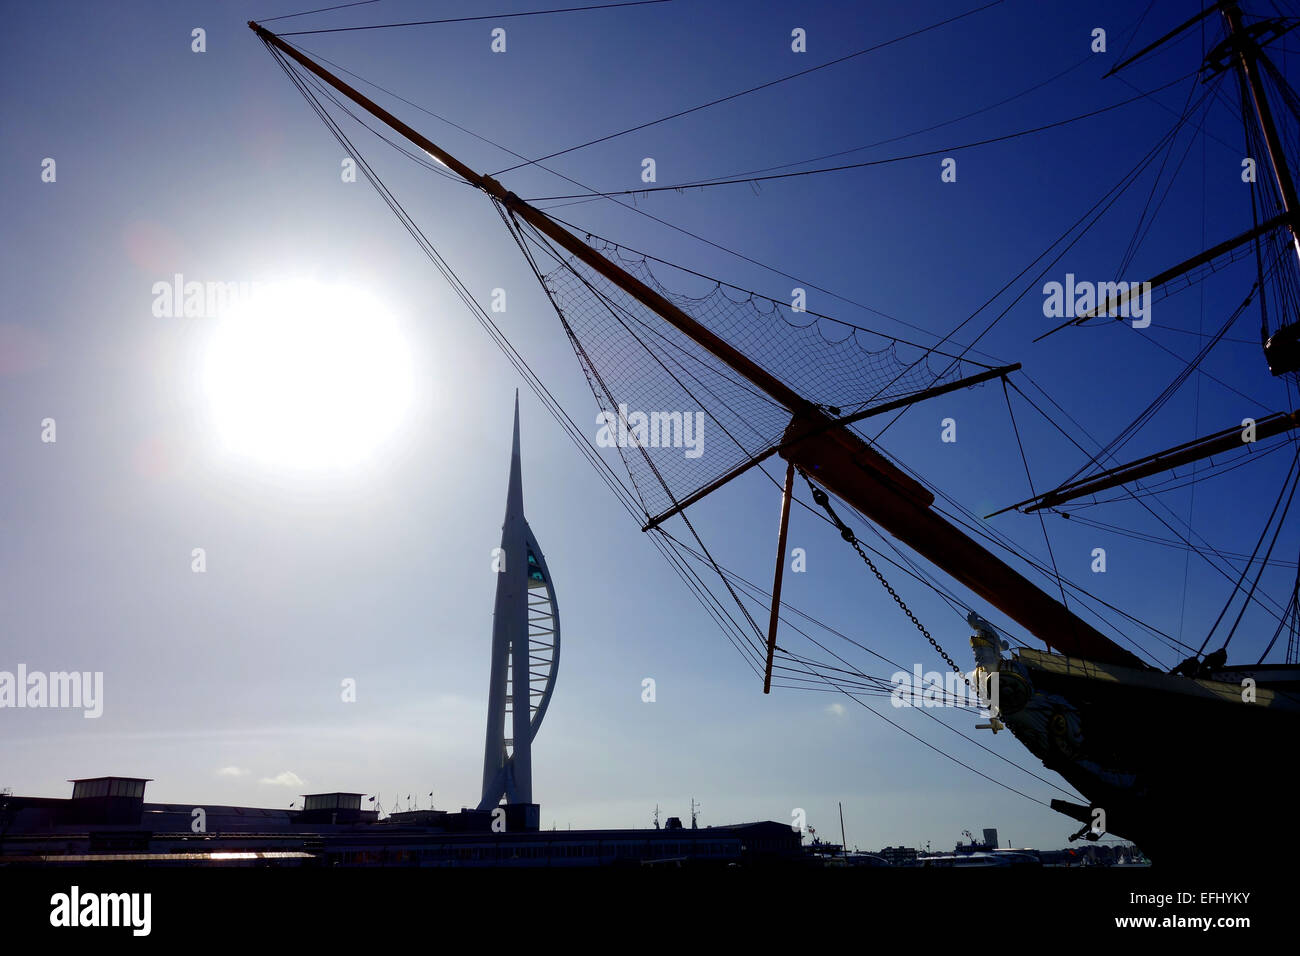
(307,375)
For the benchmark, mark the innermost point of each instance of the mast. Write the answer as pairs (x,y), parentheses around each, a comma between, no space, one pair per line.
(1243,50)
(1248,52)
(834,457)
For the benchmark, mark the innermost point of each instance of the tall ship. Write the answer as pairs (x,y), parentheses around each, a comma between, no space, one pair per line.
(1166,738)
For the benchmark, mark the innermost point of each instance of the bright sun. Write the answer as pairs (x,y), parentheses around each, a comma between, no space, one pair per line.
(308,376)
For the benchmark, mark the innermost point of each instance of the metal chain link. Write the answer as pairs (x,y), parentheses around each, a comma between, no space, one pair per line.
(847,534)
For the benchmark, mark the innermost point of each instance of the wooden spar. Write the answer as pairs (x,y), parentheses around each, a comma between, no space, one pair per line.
(1111,307)
(1183,454)
(842,463)
(1164,39)
(836,457)
(1001,371)
(831,423)
(776,579)
(534,217)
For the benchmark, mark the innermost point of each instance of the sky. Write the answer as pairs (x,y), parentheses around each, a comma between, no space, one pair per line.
(374,566)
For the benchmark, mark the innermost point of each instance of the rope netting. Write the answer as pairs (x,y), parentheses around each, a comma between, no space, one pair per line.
(678,415)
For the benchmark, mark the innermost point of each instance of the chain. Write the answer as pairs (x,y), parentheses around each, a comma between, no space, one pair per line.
(847,534)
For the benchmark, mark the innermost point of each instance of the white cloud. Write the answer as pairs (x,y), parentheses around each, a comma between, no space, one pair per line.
(836,709)
(286,778)
(232,772)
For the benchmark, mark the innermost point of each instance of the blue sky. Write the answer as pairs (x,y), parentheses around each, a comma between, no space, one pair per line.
(220,684)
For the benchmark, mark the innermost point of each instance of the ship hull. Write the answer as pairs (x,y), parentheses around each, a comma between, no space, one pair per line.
(1188,769)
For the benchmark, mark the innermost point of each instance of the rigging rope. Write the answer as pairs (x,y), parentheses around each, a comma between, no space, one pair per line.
(495,16)
(703,184)
(337,6)
(1198,551)
(752,89)
(847,534)
(1089,58)
(1145,416)
(1264,564)
(1030,478)
(631,208)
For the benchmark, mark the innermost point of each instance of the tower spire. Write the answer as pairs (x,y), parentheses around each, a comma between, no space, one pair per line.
(515,488)
(525,651)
